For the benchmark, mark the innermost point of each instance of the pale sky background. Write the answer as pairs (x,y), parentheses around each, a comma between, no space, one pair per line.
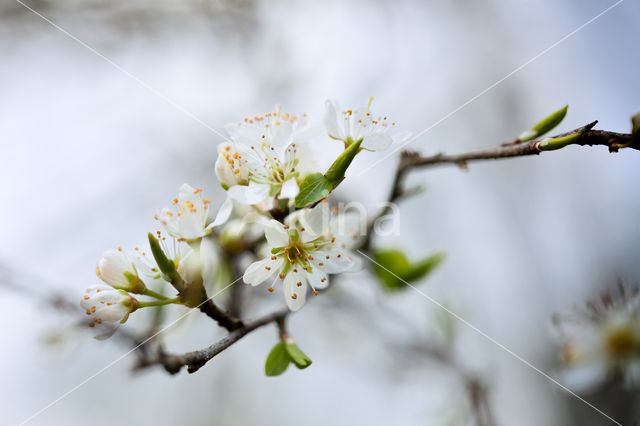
(89,154)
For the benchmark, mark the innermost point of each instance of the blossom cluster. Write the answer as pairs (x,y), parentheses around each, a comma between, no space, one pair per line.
(273,211)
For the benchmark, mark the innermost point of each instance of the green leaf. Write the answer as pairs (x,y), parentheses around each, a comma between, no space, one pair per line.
(299,358)
(314,188)
(545,125)
(389,264)
(277,361)
(394,270)
(336,172)
(423,268)
(551,144)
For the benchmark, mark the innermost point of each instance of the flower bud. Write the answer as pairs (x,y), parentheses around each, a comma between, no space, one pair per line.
(119,271)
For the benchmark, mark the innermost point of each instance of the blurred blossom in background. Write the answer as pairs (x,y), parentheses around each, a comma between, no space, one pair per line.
(89,154)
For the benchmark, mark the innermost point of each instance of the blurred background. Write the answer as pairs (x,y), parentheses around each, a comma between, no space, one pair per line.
(89,154)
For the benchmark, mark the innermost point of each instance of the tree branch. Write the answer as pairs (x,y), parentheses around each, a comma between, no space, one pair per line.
(586,136)
(410,160)
(196,359)
(223,318)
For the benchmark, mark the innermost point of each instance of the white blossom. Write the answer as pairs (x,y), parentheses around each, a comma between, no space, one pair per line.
(118,269)
(302,252)
(107,308)
(601,342)
(267,156)
(189,218)
(360,125)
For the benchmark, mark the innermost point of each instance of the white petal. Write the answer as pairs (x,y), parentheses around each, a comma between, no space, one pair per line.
(209,261)
(244,135)
(191,225)
(105,330)
(314,221)
(289,189)
(331,120)
(295,290)
(112,266)
(251,194)
(89,294)
(257,272)
(114,313)
(224,173)
(377,142)
(584,376)
(276,235)
(333,261)
(223,214)
(281,136)
(317,279)
(190,266)
(186,190)
(307,160)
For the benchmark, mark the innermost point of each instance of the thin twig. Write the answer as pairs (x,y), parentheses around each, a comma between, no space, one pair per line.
(196,359)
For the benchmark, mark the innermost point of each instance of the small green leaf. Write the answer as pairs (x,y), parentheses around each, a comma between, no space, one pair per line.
(394,269)
(299,358)
(545,125)
(391,264)
(277,361)
(314,188)
(551,144)
(336,172)
(423,268)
